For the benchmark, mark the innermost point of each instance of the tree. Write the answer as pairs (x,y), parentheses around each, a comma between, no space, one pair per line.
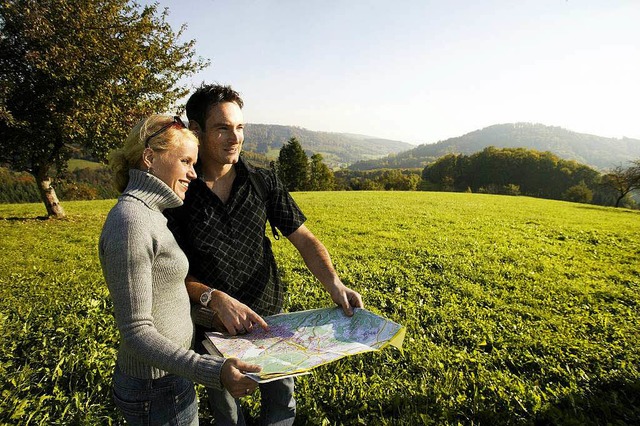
(78,74)
(623,180)
(320,176)
(397,180)
(579,193)
(443,171)
(293,166)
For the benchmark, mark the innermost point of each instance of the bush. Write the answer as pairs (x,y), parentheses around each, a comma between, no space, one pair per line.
(79,191)
(579,194)
(17,187)
(90,183)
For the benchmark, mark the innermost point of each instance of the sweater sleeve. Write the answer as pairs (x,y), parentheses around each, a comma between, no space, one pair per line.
(127,253)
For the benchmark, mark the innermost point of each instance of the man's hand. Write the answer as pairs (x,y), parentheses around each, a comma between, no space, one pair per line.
(234,316)
(234,380)
(346,298)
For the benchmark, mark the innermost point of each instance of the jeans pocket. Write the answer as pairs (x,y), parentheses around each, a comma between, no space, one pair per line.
(185,392)
(185,402)
(134,412)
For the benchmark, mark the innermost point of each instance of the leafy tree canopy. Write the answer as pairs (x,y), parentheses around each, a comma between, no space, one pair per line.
(534,173)
(320,176)
(80,73)
(293,166)
(623,180)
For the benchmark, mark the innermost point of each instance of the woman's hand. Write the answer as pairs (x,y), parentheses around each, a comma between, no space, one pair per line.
(235,381)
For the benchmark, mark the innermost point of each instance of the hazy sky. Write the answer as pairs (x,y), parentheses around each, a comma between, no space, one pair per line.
(421,71)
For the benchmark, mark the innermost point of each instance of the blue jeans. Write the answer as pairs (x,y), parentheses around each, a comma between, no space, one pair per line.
(170,400)
(278,406)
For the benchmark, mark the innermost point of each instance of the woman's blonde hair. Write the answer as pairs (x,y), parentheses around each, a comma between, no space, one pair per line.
(148,133)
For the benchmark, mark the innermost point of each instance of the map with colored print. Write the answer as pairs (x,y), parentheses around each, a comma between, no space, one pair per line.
(300,341)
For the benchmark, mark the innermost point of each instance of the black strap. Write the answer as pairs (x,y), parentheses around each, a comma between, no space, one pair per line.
(259,184)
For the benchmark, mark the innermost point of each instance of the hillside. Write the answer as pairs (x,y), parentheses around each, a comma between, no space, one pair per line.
(596,151)
(338,149)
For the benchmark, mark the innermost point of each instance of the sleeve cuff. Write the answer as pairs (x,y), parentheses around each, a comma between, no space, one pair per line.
(202,316)
(208,371)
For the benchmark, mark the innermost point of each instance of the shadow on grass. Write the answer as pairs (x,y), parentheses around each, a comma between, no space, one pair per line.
(619,210)
(24,219)
(612,403)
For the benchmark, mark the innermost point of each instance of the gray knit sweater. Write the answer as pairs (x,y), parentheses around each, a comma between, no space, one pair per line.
(145,270)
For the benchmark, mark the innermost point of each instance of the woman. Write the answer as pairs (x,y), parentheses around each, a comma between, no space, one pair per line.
(145,270)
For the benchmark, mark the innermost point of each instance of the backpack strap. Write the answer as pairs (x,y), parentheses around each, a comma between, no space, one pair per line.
(260,185)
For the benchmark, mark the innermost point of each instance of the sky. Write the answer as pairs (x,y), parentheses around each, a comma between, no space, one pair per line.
(421,71)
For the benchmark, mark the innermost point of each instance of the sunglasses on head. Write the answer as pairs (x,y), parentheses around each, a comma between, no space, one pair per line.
(177,121)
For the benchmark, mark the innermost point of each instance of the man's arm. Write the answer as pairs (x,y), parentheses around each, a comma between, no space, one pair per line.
(317,259)
(235,316)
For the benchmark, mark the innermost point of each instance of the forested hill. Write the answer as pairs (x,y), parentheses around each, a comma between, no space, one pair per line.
(595,151)
(337,149)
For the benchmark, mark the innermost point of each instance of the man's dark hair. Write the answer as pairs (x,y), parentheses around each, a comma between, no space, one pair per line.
(205,97)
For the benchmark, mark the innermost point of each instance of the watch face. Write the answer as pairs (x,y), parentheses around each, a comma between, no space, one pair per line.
(205,298)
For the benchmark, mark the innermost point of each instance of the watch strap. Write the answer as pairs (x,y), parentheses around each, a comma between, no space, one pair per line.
(206,296)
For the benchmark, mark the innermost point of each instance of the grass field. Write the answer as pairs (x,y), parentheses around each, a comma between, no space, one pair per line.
(518,311)
(76,163)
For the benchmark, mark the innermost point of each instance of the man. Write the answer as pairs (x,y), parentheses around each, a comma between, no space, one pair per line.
(221,228)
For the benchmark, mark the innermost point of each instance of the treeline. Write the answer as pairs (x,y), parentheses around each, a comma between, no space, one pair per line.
(78,184)
(518,171)
(17,187)
(506,171)
(378,180)
(298,172)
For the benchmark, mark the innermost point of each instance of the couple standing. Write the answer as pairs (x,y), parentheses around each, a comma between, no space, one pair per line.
(214,235)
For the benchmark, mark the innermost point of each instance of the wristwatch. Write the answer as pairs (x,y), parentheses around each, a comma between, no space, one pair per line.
(205,297)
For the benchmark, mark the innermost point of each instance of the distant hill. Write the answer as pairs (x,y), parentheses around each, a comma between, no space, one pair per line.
(337,149)
(596,151)
(262,143)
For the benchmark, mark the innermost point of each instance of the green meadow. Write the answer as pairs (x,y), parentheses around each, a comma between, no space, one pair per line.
(518,311)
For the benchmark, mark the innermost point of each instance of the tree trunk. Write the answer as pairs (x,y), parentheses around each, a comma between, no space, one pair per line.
(48,195)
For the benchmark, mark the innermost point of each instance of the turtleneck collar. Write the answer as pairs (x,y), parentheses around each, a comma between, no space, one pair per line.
(153,192)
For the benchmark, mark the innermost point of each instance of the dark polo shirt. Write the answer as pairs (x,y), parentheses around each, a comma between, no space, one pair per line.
(226,244)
